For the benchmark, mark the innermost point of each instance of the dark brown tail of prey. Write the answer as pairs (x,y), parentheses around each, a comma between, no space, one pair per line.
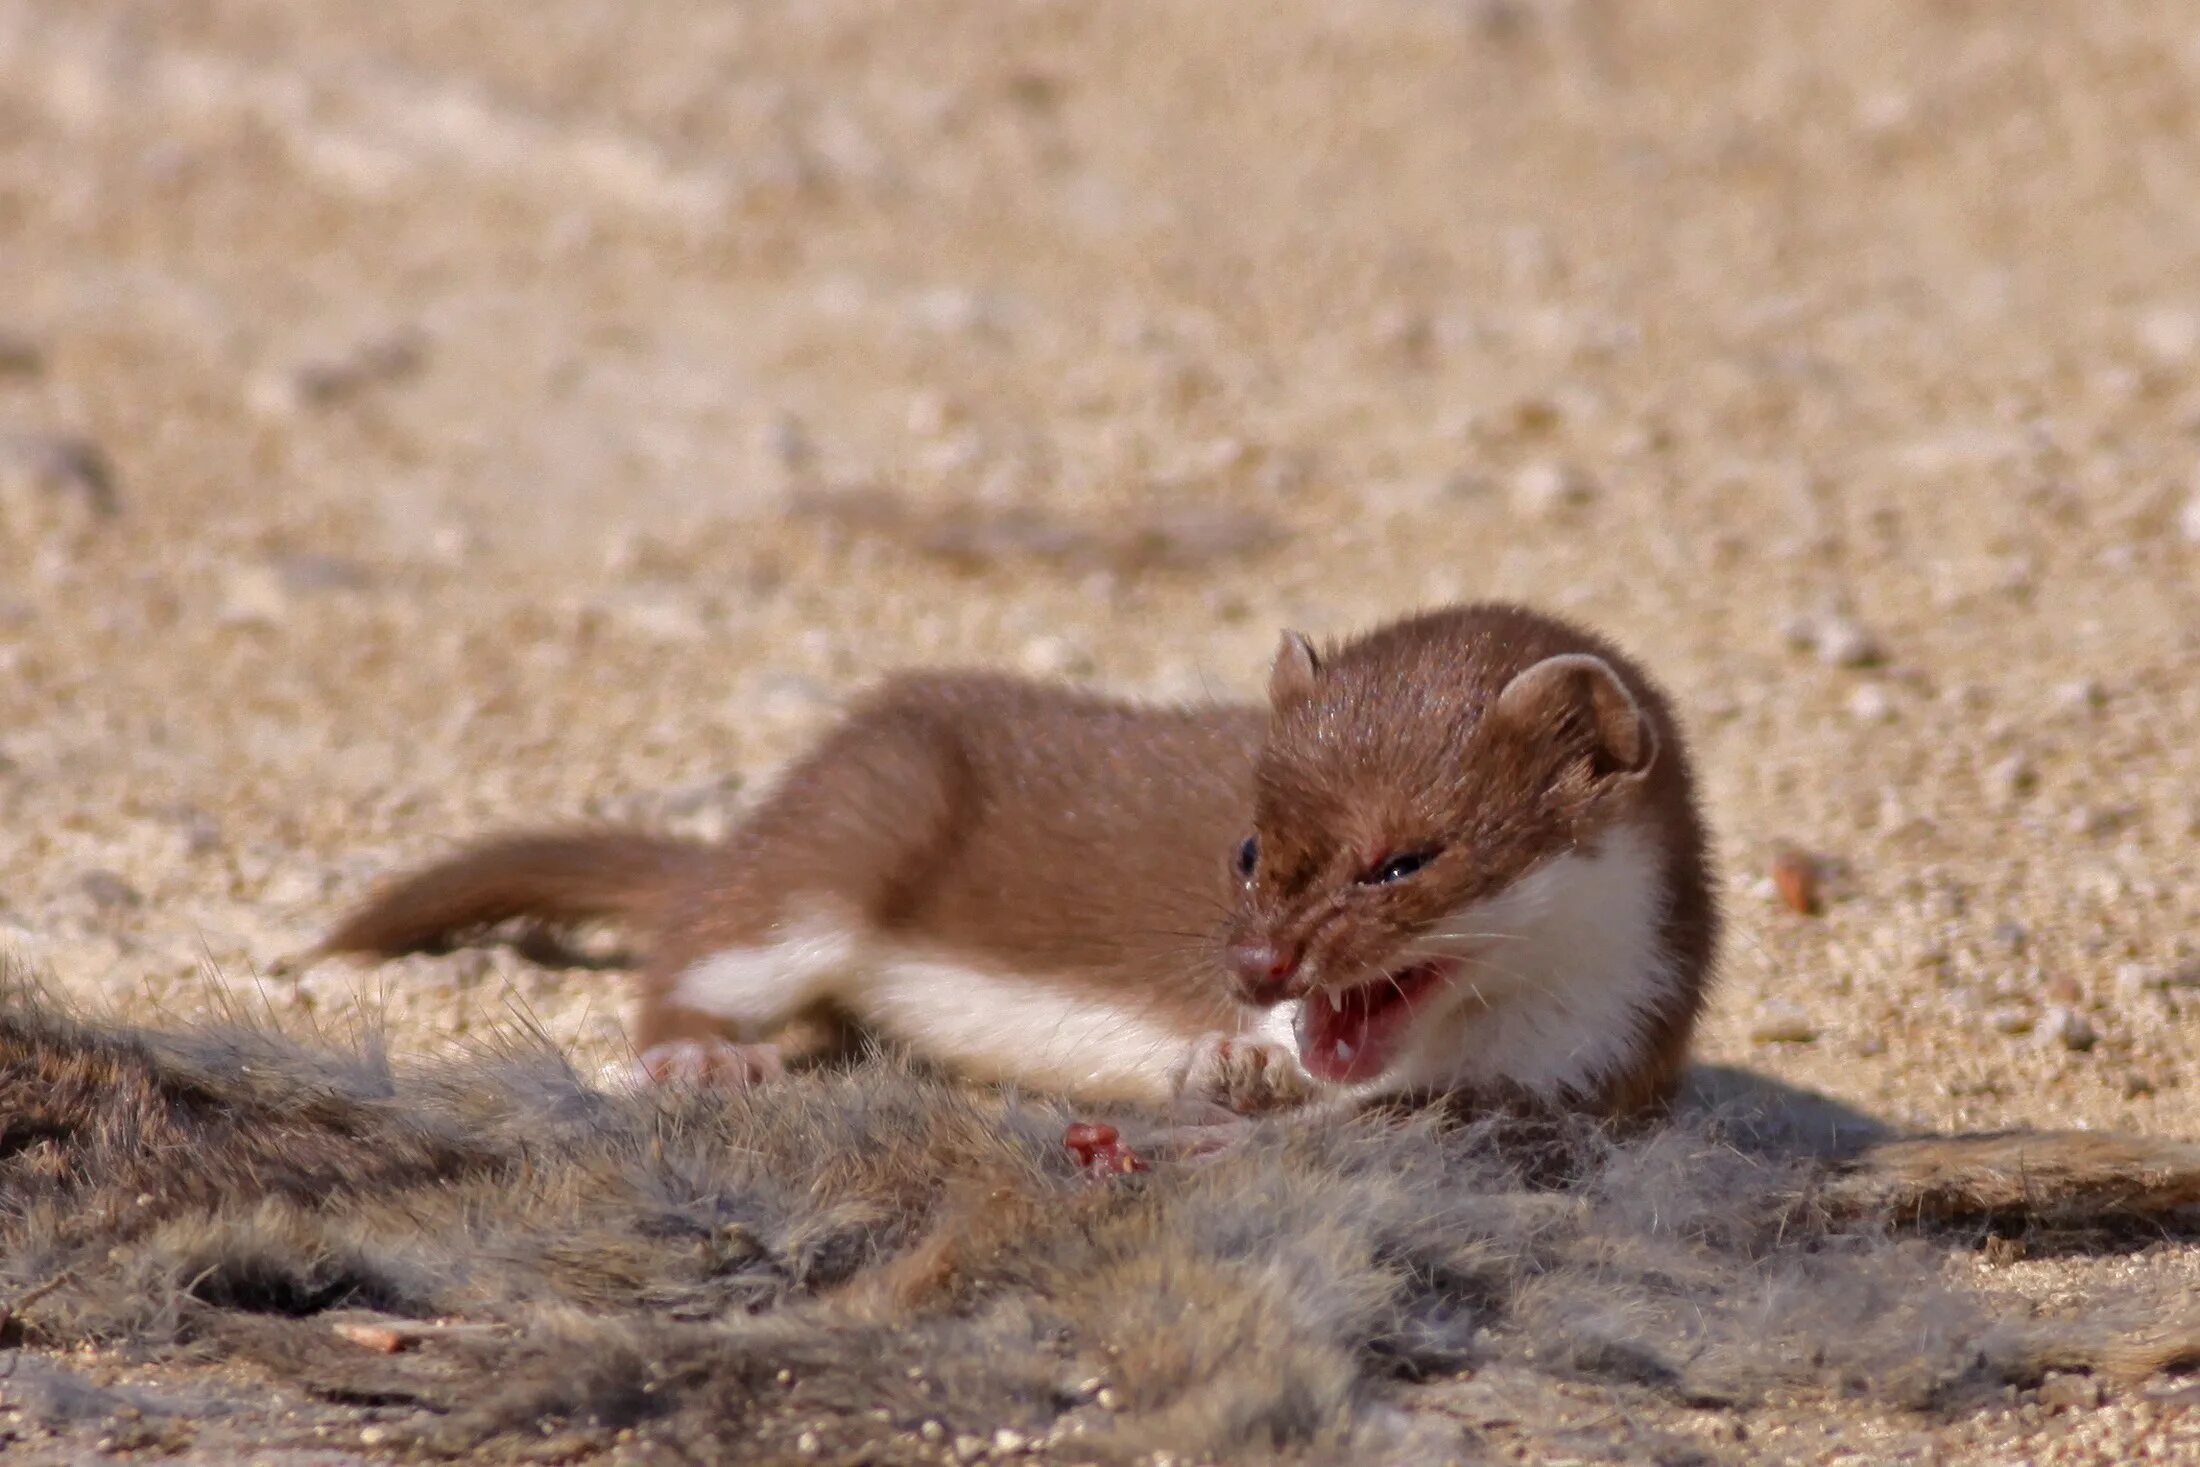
(555,878)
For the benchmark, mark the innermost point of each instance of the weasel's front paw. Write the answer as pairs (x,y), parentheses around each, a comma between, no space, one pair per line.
(718,1063)
(1244,1074)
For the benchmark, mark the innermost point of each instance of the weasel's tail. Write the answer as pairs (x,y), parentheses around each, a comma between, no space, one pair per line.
(558,877)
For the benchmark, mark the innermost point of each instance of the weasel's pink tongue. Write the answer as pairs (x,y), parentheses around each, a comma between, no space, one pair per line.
(1355,1037)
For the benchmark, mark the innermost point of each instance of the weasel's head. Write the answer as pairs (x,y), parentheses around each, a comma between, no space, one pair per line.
(1450,825)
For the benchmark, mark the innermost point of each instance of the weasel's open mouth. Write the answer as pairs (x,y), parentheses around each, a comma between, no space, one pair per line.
(1351,1034)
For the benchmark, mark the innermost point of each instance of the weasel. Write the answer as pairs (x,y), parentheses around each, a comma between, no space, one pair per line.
(1457,856)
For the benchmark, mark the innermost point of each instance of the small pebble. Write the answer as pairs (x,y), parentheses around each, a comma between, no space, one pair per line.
(1798,877)
(1871,704)
(331,380)
(2098,820)
(254,596)
(1008,1443)
(2069,1028)
(373,1436)
(932,1431)
(1837,641)
(807,1444)
(312,572)
(59,466)
(1540,490)
(1782,1024)
(1843,643)
(2012,1020)
(2171,334)
(969,1448)
(380,1338)
(1054,657)
(2012,779)
(109,891)
(2084,696)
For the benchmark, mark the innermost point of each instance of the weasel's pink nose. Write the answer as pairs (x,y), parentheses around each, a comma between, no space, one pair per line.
(1263,970)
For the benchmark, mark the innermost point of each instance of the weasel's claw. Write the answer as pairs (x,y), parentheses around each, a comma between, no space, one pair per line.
(1245,1075)
(717,1063)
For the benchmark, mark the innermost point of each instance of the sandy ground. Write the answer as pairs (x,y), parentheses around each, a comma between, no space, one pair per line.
(416,419)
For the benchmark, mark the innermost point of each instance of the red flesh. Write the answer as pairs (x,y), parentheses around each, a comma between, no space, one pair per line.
(1100,1150)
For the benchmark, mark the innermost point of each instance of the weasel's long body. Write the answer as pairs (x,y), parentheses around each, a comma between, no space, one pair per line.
(1459,854)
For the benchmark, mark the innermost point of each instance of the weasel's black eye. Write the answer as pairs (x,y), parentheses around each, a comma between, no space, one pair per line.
(1248,856)
(1397,868)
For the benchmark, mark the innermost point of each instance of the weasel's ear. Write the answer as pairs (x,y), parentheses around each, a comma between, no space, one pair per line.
(1291,675)
(1580,690)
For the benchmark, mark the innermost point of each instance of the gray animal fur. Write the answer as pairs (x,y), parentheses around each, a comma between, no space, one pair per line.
(854,1254)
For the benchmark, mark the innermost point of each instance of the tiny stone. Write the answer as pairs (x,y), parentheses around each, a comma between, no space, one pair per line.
(808,1444)
(1870,704)
(2069,1028)
(969,1448)
(254,596)
(2012,779)
(1542,489)
(1007,1442)
(1797,879)
(2095,820)
(2136,979)
(328,381)
(380,1338)
(1782,1024)
(1109,1399)
(2170,334)
(932,414)
(313,572)
(373,1436)
(2083,696)
(2011,1019)
(1843,643)
(1054,657)
(62,465)
(108,891)
(932,1431)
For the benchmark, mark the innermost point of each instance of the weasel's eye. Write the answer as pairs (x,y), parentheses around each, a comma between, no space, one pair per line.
(1248,856)
(1397,868)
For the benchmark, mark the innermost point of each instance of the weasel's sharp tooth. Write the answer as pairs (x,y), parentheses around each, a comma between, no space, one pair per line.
(1336,1002)
(1344,1053)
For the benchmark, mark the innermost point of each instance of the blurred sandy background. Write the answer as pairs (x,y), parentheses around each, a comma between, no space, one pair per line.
(418,418)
